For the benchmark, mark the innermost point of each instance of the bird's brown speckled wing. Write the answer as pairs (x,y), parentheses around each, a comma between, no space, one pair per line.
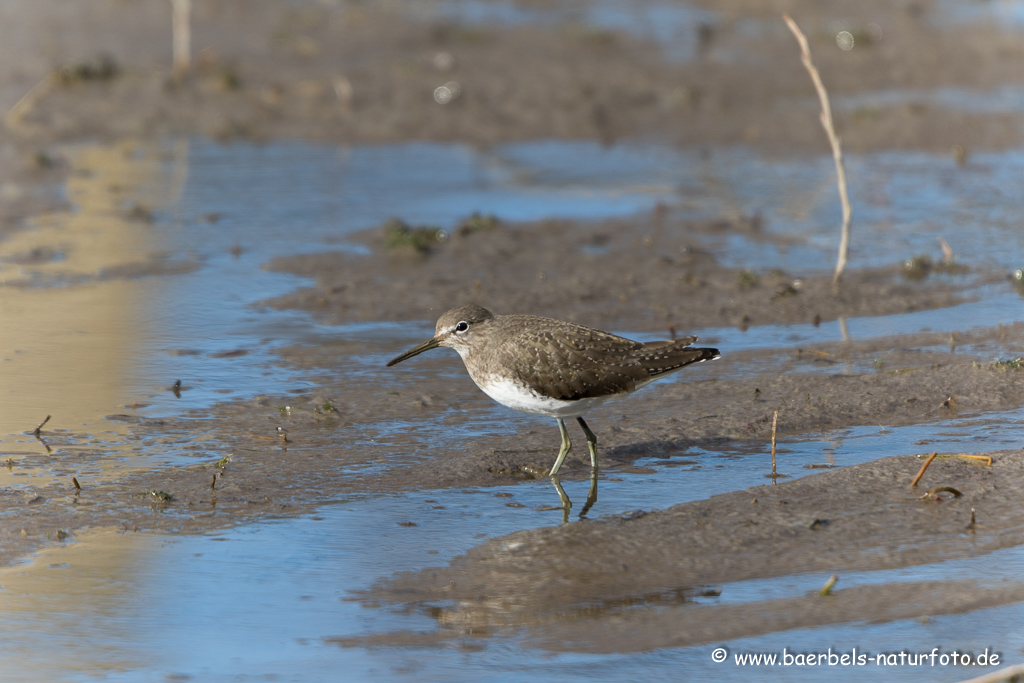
(571,362)
(659,358)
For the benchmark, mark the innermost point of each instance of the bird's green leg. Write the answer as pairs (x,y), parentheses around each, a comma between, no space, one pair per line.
(591,442)
(566,445)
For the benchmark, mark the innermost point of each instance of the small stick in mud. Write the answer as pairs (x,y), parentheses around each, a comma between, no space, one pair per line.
(947,251)
(213,483)
(837,151)
(181,38)
(987,459)
(827,588)
(775,422)
(16,114)
(40,427)
(920,472)
(970,524)
(74,480)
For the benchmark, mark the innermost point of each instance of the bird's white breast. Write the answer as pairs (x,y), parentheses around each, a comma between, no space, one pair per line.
(520,397)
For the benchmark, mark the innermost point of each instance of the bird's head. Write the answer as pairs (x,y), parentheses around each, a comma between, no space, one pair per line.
(454,329)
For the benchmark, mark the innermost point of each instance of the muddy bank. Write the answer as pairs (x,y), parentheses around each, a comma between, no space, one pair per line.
(353,72)
(620,585)
(649,272)
(366,430)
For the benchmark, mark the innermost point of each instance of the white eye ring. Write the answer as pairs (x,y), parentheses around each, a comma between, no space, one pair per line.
(461,327)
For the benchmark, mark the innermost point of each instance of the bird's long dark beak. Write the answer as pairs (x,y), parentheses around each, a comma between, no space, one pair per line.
(431,343)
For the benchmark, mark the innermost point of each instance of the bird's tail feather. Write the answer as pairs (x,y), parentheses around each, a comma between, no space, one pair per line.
(661,357)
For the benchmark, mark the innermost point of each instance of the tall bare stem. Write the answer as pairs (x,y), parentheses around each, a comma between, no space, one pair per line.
(837,150)
(181,37)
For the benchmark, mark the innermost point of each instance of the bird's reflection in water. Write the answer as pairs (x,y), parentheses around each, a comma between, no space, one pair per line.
(567,504)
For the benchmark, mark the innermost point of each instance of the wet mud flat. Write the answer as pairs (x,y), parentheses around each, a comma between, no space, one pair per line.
(350,434)
(582,596)
(356,429)
(352,430)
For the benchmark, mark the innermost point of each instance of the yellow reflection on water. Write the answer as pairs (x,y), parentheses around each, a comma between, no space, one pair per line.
(70,333)
(74,609)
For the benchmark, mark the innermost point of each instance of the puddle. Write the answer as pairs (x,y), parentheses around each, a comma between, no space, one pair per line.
(271,599)
(1002,565)
(905,201)
(1007,14)
(1007,98)
(996,307)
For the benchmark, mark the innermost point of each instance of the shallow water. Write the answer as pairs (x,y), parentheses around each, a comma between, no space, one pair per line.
(1008,98)
(1007,14)
(155,277)
(269,600)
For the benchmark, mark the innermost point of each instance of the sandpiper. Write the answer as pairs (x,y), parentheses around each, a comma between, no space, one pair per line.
(551,367)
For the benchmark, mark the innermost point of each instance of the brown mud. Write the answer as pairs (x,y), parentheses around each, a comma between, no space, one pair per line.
(646,273)
(359,73)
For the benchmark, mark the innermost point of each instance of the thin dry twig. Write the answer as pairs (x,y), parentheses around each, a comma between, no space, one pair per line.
(947,251)
(775,422)
(16,114)
(837,151)
(827,588)
(181,37)
(920,473)
(40,427)
(343,91)
(987,459)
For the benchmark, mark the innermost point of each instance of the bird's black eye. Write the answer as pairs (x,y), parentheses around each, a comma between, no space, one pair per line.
(462,327)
